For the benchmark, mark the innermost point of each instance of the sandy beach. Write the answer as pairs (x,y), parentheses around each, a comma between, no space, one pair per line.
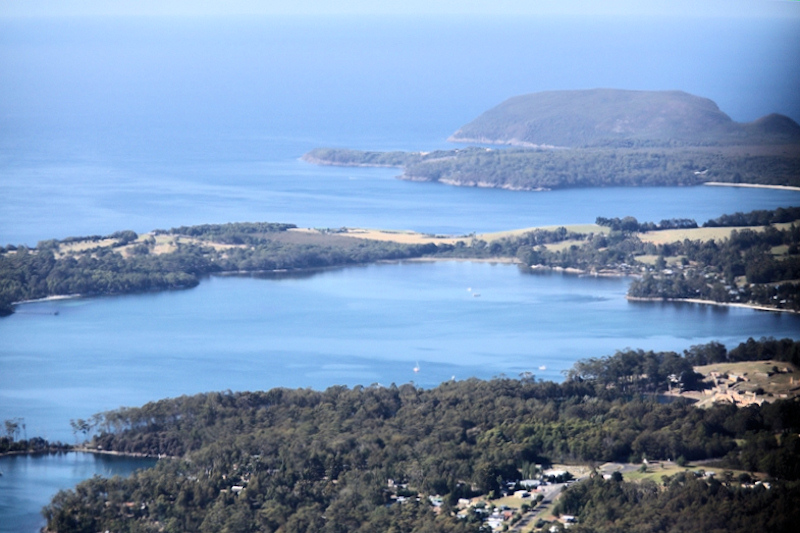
(709,302)
(48,299)
(503,260)
(751,185)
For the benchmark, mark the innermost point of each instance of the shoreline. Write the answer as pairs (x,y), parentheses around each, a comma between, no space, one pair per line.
(329,163)
(497,142)
(139,455)
(499,260)
(753,307)
(751,185)
(84,449)
(478,184)
(49,299)
(311,270)
(49,450)
(584,273)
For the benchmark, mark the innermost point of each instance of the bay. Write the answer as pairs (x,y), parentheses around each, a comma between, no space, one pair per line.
(353,326)
(109,124)
(90,201)
(29,481)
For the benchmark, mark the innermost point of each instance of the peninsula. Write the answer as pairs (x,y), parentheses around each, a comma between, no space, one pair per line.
(747,259)
(402,458)
(601,138)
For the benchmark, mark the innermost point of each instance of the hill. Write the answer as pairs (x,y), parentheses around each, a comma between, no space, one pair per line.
(613,117)
(404,459)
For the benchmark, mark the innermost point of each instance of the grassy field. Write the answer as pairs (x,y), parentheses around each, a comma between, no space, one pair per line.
(82,246)
(561,246)
(778,251)
(575,228)
(345,237)
(651,259)
(694,234)
(399,236)
(698,234)
(656,470)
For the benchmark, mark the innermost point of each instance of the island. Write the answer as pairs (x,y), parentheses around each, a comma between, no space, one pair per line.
(600,138)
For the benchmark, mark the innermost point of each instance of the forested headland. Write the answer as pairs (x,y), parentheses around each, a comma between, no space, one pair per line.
(124,262)
(401,458)
(614,117)
(673,259)
(743,258)
(601,138)
(547,169)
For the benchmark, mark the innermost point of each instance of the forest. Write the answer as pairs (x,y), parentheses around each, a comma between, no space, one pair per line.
(683,502)
(600,138)
(547,169)
(616,117)
(11,443)
(122,263)
(741,269)
(301,460)
(761,217)
(757,266)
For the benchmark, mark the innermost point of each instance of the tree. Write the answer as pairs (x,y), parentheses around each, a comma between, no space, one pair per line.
(12,428)
(80,425)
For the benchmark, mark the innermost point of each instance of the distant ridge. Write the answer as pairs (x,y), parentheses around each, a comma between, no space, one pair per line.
(609,117)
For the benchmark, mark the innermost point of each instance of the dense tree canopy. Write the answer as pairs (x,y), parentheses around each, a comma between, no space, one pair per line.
(298,460)
(535,169)
(109,269)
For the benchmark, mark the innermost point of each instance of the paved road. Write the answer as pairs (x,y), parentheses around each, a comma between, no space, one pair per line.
(550,493)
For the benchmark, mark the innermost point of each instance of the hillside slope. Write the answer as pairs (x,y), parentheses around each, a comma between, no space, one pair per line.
(599,117)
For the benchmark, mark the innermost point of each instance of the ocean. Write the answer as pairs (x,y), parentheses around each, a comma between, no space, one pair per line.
(145,123)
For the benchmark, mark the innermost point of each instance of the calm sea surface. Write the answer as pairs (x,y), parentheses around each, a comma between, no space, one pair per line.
(153,123)
(351,326)
(29,481)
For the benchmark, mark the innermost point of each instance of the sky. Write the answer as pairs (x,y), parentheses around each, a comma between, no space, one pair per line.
(697,8)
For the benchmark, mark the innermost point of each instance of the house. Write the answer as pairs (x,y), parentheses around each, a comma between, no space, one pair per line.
(495,522)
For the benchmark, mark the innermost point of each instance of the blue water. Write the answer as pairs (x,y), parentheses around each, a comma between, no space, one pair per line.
(110,124)
(151,123)
(351,326)
(29,481)
(89,201)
